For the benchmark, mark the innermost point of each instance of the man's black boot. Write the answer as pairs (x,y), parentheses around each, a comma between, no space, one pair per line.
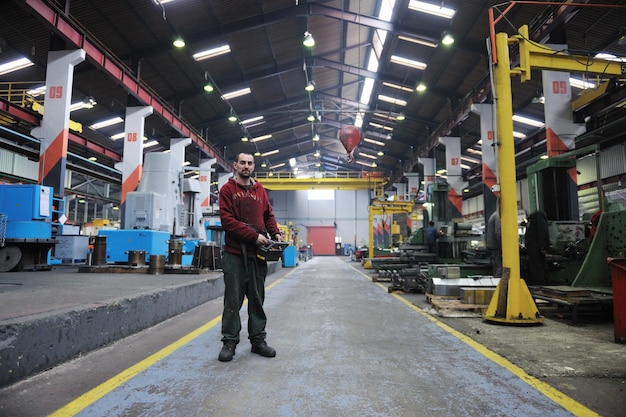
(228,351)
(262,348)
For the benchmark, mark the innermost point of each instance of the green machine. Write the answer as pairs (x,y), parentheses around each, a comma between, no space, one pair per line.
(574,259)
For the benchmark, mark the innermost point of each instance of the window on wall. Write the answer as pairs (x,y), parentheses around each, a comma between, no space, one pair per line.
(321,194)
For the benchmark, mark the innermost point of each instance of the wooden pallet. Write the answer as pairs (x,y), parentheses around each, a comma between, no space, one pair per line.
(456,308)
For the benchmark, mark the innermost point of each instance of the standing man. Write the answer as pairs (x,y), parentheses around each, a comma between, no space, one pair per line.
(431,238)
(248,219)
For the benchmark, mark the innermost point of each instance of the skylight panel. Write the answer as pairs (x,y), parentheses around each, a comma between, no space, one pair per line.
(433,9)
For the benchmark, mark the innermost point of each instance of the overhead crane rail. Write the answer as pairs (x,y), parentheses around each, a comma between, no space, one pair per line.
(333,180)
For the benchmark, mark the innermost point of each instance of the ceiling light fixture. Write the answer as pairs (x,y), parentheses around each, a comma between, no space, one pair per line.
(18,64)
(292,162)
(373,142)
(527,121)
(407,62)
(447,39)
(400,117)
(268,153)
(178,42)
(108,122)
(308,40)
(380,153)
(316,137)
(236,93)
(263,164)
(310,86)
(418,41)
(211,53)
(317,154)
(311,118)
(257,153)
(252,120)
(392,100)
(282,164)
(260,138)
(208,87)
(244,138)
(421,87)
(232,117)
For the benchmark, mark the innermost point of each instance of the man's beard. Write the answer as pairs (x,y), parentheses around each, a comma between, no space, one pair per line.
(246,174)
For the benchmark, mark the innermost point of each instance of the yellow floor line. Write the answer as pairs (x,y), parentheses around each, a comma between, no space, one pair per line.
(90,397)
(555,395)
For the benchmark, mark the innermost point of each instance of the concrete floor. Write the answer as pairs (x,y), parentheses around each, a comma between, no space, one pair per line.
(345,347)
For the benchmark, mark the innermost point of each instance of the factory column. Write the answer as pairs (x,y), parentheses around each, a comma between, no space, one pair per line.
(54,129)
(561,132)
(131,166)
(205,183)
(429,178)
(489,165)
(455,177)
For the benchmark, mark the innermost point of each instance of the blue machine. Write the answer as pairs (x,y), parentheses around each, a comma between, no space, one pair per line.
(25,226)
(120,242)
(290,257)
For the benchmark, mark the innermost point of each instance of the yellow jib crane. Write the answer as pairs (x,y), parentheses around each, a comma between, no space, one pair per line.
(512,302)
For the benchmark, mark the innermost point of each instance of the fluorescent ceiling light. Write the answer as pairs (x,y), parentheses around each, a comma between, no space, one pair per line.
(407,62)
(366,155)
(282,164)
(468,159)
(379,126)
(527,121)
(392,100)
(464,166)
(372,165)
(106,123)
(373,142)
(474,151)
(398,87)
(418,41)
(236,93)
(252,120)
(15,65)
(268,153)
(85,104)
(118,136)
(260,138)
(609,57)
(187,163)
(37,91)
(150,144)
(292,162)
(575,82)
(434,9)
(211,53)
(519,135)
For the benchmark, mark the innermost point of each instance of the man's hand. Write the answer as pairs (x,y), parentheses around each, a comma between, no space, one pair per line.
(278,237)
(262,240)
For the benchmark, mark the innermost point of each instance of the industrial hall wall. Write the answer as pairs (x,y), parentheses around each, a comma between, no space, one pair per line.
(347,212)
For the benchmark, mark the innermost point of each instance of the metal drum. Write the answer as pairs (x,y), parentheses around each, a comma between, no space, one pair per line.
(157,264)
(175,252)
(136,257)
(99,250)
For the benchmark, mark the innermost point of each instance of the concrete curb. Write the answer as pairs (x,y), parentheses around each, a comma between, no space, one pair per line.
(36,343)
